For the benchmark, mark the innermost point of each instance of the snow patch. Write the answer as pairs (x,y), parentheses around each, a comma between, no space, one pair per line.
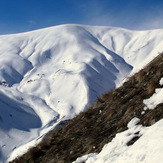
(161,81)
(143,150)
(156,98)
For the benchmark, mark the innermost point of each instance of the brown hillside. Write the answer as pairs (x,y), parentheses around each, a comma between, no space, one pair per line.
(92,129)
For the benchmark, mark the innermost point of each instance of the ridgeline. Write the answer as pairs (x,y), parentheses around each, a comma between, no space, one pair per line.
(91,130)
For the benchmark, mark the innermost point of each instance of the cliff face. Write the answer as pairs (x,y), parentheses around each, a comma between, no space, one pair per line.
(91,130)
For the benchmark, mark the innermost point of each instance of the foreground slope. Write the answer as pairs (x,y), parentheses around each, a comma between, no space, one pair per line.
(53,74)
(138,100)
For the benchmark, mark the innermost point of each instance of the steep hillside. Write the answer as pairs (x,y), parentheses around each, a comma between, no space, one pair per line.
(51,75)
(91,130)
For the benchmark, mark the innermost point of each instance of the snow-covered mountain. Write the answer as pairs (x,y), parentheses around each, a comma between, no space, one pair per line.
(52,74)
(123,125)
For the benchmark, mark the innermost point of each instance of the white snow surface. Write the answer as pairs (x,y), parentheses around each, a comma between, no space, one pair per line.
(155,99)
(161,81)
(52,74)
(147,149)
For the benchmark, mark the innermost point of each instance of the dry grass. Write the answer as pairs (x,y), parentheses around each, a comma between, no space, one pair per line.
(92,129)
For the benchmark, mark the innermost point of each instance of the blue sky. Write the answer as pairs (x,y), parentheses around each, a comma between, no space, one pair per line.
(26,15)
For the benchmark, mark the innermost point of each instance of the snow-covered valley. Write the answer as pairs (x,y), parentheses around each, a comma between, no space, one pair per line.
(51,75)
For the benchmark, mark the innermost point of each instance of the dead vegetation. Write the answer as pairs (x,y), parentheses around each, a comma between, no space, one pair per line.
(91,130)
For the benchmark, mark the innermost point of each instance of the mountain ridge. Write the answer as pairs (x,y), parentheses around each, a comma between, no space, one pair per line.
(45,70)
(89,131)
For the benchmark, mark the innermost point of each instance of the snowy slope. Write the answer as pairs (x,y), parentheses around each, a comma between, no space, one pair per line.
(21,120)
(52,74)
(144,150)
(147,149)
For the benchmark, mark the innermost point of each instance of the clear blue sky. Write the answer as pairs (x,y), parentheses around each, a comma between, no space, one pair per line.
(26,15)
